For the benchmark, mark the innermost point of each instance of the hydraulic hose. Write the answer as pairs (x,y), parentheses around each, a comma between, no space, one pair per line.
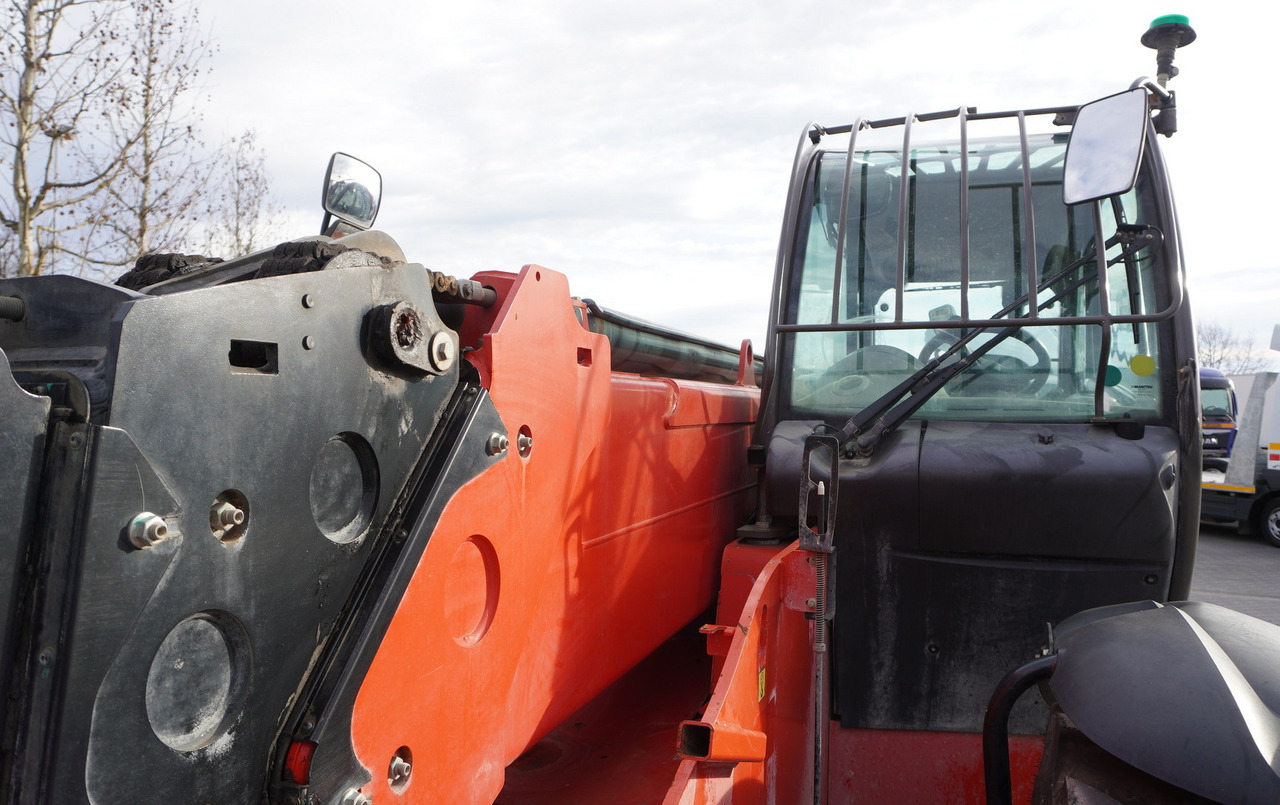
(995,727)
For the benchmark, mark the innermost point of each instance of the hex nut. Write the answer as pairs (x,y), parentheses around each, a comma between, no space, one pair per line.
(146,529)
(398,772)
(229,516)
(355,796)
(226,515)
(497,443)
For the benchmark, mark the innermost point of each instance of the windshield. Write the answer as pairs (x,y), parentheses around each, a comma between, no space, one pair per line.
(1216,403)
(906,264)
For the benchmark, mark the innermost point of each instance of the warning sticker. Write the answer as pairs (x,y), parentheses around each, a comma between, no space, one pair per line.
(1273,456)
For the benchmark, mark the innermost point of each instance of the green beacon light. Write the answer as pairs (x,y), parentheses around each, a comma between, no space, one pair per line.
(1167,34)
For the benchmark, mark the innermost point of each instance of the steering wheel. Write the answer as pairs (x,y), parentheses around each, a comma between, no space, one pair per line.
(876,359)
(996,374)
(875,369)
(940,339)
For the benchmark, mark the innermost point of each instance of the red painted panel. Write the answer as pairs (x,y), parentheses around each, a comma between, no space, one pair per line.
(548,577)
(754,742)
(872,766)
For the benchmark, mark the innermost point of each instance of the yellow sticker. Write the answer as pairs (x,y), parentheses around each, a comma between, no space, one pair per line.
(1142,365)
(760,685)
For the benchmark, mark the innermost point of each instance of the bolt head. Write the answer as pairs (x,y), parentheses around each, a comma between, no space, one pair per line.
(442,352)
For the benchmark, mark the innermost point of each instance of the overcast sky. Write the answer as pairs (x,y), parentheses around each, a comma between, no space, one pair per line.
(643,149)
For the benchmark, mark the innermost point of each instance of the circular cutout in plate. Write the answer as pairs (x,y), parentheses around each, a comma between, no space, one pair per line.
(197,679)
(471,590)
(344,487)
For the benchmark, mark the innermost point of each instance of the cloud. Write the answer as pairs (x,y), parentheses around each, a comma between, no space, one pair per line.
(644,149)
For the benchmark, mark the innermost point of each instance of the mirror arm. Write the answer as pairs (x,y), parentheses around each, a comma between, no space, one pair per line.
(1163,101)
(1148,83)
(1166,120)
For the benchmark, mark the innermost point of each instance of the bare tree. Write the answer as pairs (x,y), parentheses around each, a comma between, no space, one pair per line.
(1220,347)
(62,74)
(244,215)
(102,146)
(155,199)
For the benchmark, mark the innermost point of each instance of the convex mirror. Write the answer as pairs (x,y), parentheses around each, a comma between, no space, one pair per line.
(1105,148)
(352,191)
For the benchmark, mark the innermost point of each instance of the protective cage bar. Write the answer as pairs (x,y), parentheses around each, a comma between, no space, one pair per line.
(1026,312)
(814,134)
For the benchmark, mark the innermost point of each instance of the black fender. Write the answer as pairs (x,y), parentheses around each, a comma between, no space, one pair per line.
(1187,692)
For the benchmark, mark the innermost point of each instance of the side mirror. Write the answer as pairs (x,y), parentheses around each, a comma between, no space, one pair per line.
(352,192)
(1105,148)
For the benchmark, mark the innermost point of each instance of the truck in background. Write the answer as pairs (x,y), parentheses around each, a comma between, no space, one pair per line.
(1245,487)
(1218,412)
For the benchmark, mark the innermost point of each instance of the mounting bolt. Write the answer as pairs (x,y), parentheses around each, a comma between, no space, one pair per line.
(226,515)
(355,796)
(524,444)
(147,529)
(399,771)
(442,351)
(497,444)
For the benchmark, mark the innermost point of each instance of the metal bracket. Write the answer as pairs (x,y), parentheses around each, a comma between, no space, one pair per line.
(821,540)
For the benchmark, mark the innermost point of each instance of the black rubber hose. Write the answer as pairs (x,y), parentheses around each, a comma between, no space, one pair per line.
(995,728)
(12,308)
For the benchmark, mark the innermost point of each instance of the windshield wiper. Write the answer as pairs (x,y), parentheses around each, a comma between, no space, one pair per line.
(865,429)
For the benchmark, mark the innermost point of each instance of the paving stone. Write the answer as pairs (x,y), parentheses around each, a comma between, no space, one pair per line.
(1240,572)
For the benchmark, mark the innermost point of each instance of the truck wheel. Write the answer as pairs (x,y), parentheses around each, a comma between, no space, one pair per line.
(1219,464)
(1268,522)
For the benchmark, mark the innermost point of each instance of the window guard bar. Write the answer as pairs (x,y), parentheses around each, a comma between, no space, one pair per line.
(1064,115)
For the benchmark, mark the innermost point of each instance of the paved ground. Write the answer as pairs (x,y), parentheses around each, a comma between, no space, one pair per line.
(1240,572)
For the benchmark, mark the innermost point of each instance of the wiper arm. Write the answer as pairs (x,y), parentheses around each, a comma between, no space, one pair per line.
(864,443)
(859,436)
(919,380)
